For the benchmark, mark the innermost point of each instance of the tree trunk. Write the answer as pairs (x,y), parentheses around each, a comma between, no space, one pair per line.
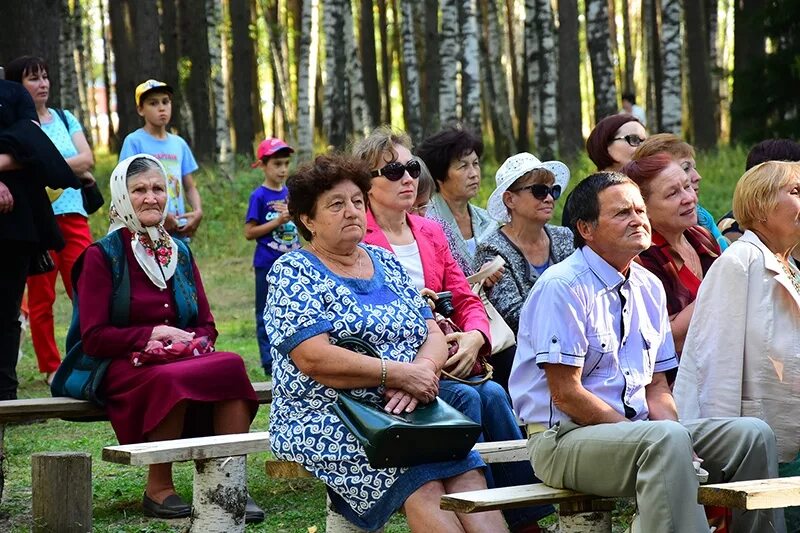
(359,110)
(81,59)
(242,81)
(306,80)
(38,32)
(411,98)
(431,70)
(630,61)
(704,131)
(333,119)
(194,30)
(219,94)
(711,8)
(66,59)
(369,61)
(599,46)
(505,143)
(277,61)
(521,83)
(651,41)
(748,109)
(448,58)
(569,89)
(533,66)
(386,65)
(169,64)
(471,67)
(114,143)
(547,132)
(671,102)
(92,122)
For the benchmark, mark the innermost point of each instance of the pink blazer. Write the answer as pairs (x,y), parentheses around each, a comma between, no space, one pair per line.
(441,272)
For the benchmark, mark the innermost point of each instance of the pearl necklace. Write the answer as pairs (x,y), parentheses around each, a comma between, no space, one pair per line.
(342,268)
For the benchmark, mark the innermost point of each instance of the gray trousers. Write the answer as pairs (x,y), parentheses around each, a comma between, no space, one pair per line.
(653,462)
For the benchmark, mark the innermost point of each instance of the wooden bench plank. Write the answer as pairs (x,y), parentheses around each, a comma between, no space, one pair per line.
(750,495)
(509,498)
(61,407)
(168,451)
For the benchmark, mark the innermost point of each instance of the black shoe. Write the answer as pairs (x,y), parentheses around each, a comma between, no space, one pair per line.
(253,514)
(172,507)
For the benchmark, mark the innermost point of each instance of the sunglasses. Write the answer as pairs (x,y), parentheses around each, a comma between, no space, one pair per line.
(396,170)
(632,140)
(540,191)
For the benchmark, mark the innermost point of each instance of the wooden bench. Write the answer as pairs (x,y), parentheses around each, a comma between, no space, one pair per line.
(16,411)
(751,495)
(219,490)
(577,512)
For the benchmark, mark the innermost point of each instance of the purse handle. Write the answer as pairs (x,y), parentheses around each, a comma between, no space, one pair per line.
(479,277)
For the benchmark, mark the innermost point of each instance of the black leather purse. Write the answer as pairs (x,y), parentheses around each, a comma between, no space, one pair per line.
(431,433)
(92,198)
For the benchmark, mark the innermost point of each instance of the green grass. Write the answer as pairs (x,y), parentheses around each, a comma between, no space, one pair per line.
(224,257)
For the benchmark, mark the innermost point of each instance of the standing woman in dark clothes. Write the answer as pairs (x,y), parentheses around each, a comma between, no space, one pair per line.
(27,225)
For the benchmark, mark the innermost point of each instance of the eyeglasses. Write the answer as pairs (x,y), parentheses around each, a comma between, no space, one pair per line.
(633,140)
(396,170)
(540,191)
(420,210)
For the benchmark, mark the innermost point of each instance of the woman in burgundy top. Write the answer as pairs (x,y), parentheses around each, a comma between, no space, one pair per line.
(682,251)
(191,395)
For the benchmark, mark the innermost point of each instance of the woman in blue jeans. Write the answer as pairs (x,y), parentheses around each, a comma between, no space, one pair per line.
(421,247)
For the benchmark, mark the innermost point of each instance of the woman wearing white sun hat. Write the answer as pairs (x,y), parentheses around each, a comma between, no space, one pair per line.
(523,201)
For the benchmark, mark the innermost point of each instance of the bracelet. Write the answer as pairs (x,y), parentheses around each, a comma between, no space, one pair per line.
(383,373)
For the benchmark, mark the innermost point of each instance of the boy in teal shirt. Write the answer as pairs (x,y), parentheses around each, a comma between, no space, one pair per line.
(154,105)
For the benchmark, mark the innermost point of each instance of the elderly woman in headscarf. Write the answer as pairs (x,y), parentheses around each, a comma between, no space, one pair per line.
(164,381)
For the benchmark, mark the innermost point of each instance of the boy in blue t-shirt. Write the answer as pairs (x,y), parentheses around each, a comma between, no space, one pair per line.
(154,105)
(269,223)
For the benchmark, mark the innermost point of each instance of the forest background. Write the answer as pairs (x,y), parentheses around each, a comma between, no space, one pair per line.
(527,75)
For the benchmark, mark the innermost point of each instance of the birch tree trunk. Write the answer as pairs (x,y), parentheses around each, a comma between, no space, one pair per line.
(711,8)
(359,110)
(280,73)
(704,131)
(471,67)
(218,67)
(113,139)
(650,40)
(547,132)
(505,143)
(671,102)
(599,46)
(334,124)
(519,76)
(411,97)
(569,79)
(532,64)
(66,59)
(448,58)
(306,80)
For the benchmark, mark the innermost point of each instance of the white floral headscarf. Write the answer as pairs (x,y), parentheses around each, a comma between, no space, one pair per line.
(152,246)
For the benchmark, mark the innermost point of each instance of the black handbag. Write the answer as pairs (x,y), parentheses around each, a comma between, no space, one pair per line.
(92,198)
(431,433)
(41,263)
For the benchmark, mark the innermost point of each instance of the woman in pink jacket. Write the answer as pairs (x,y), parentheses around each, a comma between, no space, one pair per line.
(422,249)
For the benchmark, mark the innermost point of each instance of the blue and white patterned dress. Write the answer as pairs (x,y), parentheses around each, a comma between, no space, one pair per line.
(306,299)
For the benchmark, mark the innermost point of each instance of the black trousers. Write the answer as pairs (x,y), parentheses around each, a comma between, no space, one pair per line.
(13,274)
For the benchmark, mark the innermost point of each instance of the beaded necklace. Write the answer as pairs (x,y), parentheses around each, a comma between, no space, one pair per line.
(790,271)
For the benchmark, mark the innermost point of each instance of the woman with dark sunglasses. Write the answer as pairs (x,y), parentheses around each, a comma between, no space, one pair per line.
(422,248)
(523,201)
(610,146)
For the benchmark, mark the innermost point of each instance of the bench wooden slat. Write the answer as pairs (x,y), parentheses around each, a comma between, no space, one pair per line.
(503,451)
(749,495)
(168,451)
(41,408)
(509,498)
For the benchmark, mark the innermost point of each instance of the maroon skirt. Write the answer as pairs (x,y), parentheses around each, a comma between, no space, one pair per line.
(139,398)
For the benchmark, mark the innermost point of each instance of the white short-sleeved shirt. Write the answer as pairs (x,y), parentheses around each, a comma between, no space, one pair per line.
(584,313)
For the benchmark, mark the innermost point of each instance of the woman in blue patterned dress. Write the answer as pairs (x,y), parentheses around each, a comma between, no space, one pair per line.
(335,288)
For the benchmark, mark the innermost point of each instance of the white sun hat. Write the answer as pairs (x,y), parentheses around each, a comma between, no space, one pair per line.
(514,168)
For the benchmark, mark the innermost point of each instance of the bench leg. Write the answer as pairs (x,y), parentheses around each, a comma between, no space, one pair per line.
(585,517)
(61,485)
(219,495)
(336,523)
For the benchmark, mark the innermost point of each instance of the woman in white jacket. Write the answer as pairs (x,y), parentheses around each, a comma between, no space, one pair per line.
(742,351)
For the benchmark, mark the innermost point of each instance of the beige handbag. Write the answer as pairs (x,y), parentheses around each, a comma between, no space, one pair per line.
(502,335)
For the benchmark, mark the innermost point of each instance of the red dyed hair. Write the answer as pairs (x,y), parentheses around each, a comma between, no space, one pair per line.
(642,171)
